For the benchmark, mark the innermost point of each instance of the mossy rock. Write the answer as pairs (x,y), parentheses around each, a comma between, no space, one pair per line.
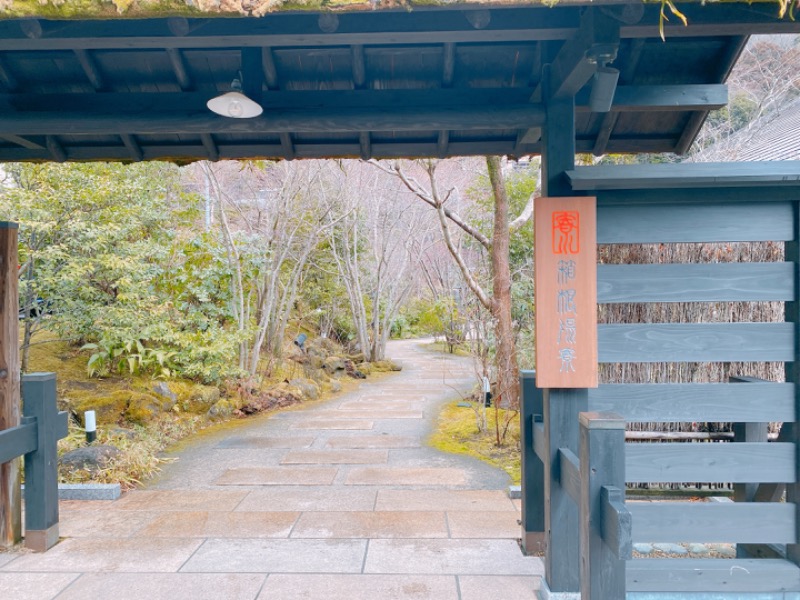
(108,408)
(143,408)
(308,388)
(222,409)
(333,365)
(365,368)
(194,398)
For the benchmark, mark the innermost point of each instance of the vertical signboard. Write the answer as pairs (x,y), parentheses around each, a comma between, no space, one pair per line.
(565,269)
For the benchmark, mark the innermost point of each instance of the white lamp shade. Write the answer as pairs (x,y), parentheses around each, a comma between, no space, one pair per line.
(235,105)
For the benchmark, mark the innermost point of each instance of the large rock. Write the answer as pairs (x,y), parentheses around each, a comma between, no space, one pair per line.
(333,365)
(90,458)
(162,389)
(308,388)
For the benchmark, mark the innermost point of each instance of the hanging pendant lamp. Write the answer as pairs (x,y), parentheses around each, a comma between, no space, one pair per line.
(235,104)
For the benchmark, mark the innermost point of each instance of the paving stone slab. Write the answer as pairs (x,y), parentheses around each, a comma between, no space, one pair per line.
(405,476)
(450,557)
(165,586)
(278,556)
(335,457)
(278,476)
(33,586)
(484,524)
(92,505)
(222,525)
(382,404)
(484,587)
(372,441)
(105,523)
(359,587)
(354,424)
(305,499)
(374,414)
(371,525)
(448,500)
(181,500)
(267,443)
(7,557)
(135,555)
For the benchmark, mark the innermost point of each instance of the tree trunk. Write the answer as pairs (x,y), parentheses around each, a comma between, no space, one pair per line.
(506,355)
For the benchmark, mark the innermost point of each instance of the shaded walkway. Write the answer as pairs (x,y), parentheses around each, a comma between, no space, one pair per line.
(341,500)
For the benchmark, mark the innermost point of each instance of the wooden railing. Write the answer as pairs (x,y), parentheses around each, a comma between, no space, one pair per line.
(36,439)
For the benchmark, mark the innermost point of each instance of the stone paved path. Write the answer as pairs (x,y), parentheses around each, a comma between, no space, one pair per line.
(341,500)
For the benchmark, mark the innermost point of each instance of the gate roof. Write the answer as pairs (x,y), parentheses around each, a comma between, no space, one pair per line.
(431,82)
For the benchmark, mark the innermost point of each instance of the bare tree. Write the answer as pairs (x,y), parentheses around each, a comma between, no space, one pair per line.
(378,241)
(498,302)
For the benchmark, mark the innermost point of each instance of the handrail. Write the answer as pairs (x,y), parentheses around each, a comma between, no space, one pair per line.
(36,439)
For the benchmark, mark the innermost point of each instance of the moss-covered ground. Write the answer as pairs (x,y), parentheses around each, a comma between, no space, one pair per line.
(457,432)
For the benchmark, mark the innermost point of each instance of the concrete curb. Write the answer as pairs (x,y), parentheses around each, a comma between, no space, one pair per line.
(87,491)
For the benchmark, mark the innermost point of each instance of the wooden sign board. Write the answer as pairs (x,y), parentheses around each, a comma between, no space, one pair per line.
(565,273)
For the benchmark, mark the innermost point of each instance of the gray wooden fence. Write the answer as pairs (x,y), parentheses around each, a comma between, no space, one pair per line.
(36,439)
(583,480)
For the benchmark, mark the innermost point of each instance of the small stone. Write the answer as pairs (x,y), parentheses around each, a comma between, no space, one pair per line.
(643,548)
(671,549)
(336,386)
(333,364)
(89,458)
(307,388)
(723,550)
(699,549)
(162,389)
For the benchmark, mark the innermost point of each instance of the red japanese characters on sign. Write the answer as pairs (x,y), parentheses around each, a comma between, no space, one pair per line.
(566,292)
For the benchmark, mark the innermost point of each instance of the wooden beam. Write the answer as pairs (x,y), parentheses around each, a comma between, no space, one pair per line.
(269,68)
(252,72)
(10,406)
(180,69)
(575,64)
(55,149)
(639,98)
(625,76)
(21,141)
(133,146)
(448,64)
(298,30)
(359,66)
(405,118)
(91,69)
(442,143)
(287,146)
(185,153)
(7,78)
(178,26)
(31,28)
(366,145)
(210,145)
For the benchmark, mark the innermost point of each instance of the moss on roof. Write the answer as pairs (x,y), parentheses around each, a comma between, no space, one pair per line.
(99,9)
(62,9)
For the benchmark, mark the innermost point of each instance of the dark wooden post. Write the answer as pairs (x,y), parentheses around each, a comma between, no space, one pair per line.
(41,465)
(10,494)
(561,407)
(533,539)
(605,524)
